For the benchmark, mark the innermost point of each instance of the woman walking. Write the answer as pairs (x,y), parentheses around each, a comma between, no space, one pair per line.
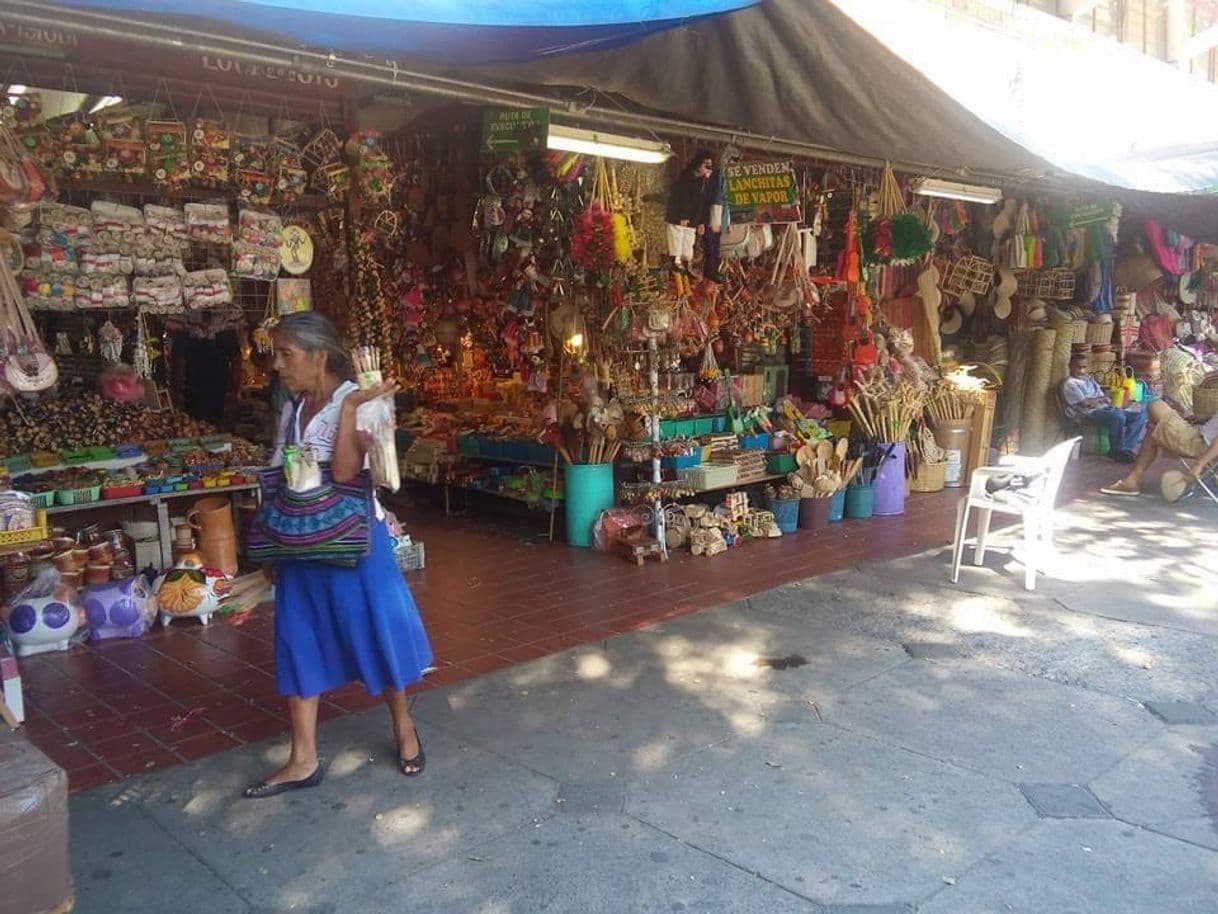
(335,625)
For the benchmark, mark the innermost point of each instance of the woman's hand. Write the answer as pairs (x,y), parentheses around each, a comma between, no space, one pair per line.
(358,398)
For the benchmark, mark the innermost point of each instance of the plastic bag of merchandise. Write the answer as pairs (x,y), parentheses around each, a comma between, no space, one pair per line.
(45,616)
(119,609)
(376,420)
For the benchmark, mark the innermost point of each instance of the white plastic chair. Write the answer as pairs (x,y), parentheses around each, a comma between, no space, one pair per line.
(1035,503)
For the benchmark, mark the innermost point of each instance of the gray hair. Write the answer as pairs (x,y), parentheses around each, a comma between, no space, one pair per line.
(314,332)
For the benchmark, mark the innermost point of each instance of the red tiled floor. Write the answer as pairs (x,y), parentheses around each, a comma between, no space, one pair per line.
(495,593)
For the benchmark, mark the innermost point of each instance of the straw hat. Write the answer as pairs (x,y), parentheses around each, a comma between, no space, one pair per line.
(1174,484)
(1133,274)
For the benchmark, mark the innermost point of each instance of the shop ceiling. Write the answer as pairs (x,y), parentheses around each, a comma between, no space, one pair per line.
(795,77)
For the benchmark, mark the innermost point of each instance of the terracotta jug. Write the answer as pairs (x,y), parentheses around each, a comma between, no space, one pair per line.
(212,518)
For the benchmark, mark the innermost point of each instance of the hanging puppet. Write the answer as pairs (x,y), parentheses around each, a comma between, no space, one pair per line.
(689,204)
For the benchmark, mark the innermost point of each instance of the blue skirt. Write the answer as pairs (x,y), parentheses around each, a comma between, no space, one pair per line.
(338,625)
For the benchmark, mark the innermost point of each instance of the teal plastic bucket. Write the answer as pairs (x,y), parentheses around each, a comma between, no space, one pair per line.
(786,513)
(837,505)
(589,491)
(860,500)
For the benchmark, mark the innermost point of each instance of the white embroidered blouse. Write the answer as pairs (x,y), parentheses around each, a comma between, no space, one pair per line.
(320,432)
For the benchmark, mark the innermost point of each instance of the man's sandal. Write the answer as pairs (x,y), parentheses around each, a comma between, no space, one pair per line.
(1119,490)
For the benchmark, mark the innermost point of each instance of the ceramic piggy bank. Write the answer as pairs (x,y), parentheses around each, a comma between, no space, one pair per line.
(120,609)
(44,616)
(190,591)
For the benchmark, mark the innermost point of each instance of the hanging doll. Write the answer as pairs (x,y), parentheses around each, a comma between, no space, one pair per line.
(689,204)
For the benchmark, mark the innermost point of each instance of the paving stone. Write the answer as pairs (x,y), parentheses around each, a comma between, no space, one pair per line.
(590,799)
(1013,726)
(595,865)
(835,816)
(1176,713)
(1064,801)
(931,650)
(1085,866)
(362,828)
(1169,785)
(123,861)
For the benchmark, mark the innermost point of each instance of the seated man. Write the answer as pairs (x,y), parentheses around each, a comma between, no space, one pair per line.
(1085,401)
(1176,435)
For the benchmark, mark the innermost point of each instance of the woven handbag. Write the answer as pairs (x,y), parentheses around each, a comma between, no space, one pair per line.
(331,523)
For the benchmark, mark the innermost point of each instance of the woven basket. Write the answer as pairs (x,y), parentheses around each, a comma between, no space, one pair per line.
(969,274)
(1205,402)
(929,477)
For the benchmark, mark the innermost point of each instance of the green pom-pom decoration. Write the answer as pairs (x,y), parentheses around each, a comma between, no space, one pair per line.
(910,238)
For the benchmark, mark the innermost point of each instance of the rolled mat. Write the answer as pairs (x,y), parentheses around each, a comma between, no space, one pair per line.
(1016,383)
(1067,336)
(1036,392)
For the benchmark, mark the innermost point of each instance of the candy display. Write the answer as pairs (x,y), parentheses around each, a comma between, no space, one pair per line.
(87,420)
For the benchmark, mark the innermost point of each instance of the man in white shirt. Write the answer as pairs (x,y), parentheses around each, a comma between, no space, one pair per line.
(1173,433)
(1085,401)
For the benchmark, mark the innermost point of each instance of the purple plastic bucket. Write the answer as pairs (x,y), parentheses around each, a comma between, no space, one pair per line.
(890,483)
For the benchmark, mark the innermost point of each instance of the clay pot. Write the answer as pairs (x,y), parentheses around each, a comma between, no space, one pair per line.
(213,519)
(80,558)
(64,561)
(96,574)
(101,553)
(72,578)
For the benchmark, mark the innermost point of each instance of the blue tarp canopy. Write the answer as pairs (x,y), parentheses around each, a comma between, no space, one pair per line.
(442,31)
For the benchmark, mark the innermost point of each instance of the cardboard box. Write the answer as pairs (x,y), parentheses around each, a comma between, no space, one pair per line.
(33,830)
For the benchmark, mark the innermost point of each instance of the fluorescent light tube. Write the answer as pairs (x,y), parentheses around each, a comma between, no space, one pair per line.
(954,190)
(607,145)
(108,101)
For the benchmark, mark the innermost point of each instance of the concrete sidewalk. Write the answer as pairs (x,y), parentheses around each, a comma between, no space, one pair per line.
(944,750)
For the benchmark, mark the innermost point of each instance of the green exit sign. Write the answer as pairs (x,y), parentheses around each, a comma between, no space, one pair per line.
(515,129)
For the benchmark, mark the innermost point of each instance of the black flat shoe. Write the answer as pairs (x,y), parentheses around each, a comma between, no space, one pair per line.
(413,767)
(264,791)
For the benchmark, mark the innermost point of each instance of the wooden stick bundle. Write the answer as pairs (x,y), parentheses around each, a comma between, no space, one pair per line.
(949,404)
(886,411)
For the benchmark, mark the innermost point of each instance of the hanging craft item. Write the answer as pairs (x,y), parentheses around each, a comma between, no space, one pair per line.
(262,333)
(969,274)
(168,156)
(110,343)
(897,236)
(80,148)
(140,358)
(333,180)
(592,236)
(63,343)
(1006,287)
(291,179)
(210,148)
(22,183)
(931,298)
(323,148)
(27,367)
(123,144)
(375,168)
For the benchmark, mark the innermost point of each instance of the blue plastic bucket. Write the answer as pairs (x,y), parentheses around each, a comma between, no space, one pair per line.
(786,513)
(859,501)
(837,505)
(889,485)
(589,491)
